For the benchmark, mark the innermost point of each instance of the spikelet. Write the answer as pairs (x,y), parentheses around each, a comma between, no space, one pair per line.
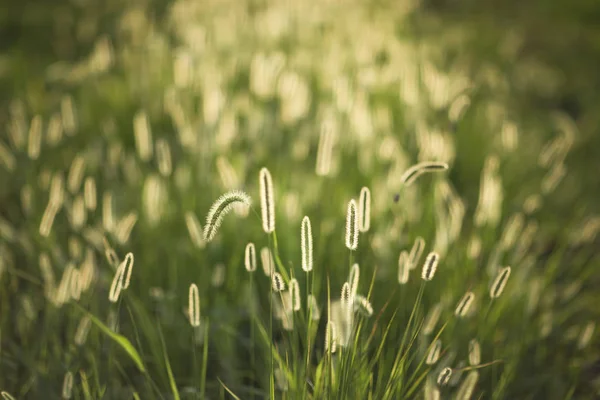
(143,136)
(67,113)
(7,157)
(363,305)
(403,268)
(267,201)
(128,269)
(432,319)
(464,305)
(76,173)
(163,157)
(111,255)
(194,305)
(415,252)
(48,219)
(431,391)
(353,279)
(67,388)
(220,208)
(500,282)
(47,274)
(266,260)
(306,245)
(6,396)
(586,335)
(108,218)
(125,226)
(474,352)
(330,337)
(34,143)
(54,131)
(314,311)
(74,285)
(364,210)
(194,229)
(250,257)
(347,301)
(351,226)
(57,191)
(434,353)
(281,380)
(117,284)
(82,330)
(89,193)
(411,174)
(467,387)
(295,294)
(430,266)
(444,376)
(277,282)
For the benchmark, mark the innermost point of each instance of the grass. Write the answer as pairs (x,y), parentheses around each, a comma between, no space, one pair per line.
(169,114)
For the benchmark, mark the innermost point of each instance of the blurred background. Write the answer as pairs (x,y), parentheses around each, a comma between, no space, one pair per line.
(505,91)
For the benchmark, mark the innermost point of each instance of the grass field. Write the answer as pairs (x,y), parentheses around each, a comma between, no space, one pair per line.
(293,200)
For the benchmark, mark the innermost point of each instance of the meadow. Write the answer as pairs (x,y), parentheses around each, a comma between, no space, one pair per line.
(293,200)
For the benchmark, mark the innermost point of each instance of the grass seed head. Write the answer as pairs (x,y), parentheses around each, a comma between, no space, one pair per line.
(500,282)
(267,200)
(278,283)
(250,257)
(444,376)
(220,208)
(464,305)
(194,305)
(474,352)
(434,353)
(306,245)
(430,266)
(364,210)
(351,226)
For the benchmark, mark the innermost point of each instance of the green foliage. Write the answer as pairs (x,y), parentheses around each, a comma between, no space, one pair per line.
(171,107)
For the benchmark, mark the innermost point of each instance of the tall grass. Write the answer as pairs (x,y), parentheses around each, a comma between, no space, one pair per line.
(300,108)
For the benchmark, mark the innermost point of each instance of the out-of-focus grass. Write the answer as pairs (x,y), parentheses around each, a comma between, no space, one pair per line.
(232,87)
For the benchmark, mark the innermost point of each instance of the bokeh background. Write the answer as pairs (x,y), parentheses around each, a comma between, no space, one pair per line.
(231,86)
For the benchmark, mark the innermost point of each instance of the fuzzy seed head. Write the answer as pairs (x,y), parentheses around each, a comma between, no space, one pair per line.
(430,266)
(346,299)
(117,284)
(250,257)
(403,268)
(467,387)
(194,305)
(363,305)
(266,260)
(432,319)
(444,376)
(411,174)
(278,283)
(267,200)
(67,389)
(351,226)
(434,353)
(295,294)
(500,282)
(464,305)
(128,261)
(364,210)
(474,352)
(306,245)
(220,208)
(415,252)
